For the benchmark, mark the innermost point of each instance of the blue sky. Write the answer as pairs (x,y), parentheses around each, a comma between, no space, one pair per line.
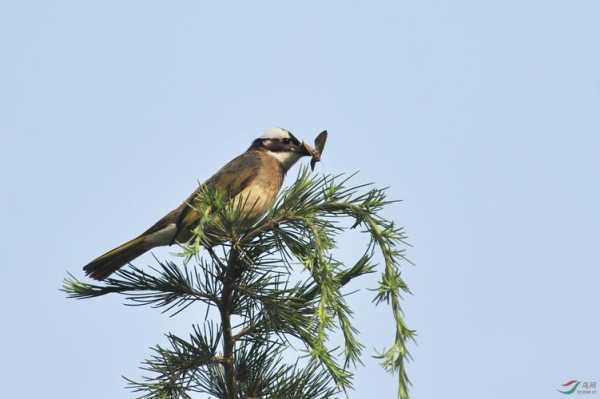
(483,117)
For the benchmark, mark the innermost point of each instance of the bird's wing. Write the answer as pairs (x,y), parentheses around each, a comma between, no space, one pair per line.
(230,179)
(237,174)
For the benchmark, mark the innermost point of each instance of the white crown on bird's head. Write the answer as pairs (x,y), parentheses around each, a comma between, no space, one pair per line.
(275,133)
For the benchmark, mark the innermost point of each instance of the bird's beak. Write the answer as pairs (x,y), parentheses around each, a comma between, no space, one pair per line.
(314,152)
(306,150)
(303,149)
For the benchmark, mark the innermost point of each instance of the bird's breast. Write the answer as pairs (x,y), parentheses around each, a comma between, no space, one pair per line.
(259,196)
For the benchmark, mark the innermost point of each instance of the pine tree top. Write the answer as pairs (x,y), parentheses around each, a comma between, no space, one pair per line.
(257,304)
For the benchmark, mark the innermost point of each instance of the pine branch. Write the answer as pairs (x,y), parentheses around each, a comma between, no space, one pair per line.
(175,369)
(302,219)
(231,277)
(172,288)
(244,271)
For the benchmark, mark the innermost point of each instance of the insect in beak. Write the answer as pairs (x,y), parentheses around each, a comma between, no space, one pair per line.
(317,151)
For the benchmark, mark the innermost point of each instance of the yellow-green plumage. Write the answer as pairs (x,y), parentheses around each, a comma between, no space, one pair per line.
(254,177)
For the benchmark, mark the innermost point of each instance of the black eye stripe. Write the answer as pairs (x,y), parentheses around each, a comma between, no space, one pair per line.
(279,144)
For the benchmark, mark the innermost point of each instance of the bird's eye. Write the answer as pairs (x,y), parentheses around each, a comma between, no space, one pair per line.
(286,141)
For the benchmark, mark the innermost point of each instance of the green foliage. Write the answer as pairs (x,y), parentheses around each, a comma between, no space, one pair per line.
(246,273)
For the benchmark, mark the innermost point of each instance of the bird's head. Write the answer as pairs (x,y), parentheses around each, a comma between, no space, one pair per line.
(282,145)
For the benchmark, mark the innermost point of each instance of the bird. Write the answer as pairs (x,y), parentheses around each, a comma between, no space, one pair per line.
(254,177)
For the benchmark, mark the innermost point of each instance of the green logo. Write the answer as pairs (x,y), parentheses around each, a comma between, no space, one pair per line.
(579,387)
(569,387)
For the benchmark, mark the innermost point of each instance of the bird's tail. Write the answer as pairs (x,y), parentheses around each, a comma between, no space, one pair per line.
(104,265)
